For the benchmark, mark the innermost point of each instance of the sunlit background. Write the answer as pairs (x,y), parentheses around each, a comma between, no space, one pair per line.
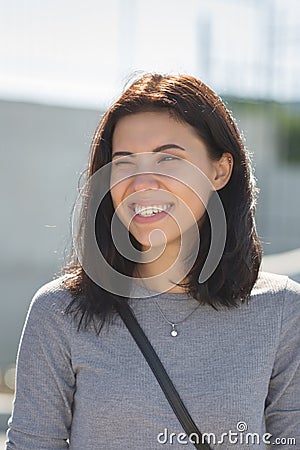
(63,62)
(66,53)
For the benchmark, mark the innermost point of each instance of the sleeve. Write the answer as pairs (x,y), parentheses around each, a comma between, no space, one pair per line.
(45,382)
(283,401)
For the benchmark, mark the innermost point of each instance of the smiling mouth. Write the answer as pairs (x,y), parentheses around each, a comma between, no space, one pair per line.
(150,210)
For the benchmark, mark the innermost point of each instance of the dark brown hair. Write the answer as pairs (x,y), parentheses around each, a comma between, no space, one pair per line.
(189,100)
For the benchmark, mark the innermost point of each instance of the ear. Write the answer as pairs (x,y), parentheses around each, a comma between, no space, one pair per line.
(223,170)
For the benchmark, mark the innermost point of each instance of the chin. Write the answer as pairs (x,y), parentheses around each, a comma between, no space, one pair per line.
(157,240)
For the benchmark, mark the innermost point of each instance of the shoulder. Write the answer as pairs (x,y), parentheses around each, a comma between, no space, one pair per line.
(271,284)
(278,290)
(53,297)
(47,325)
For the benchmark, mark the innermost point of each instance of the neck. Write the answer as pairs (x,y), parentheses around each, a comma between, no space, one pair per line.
(161,268)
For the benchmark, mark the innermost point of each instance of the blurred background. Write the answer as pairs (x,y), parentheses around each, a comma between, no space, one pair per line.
(63,63)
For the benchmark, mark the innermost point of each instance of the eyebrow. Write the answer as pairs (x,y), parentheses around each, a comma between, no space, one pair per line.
(161,148)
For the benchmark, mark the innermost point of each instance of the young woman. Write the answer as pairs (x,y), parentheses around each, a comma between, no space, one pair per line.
(165,225)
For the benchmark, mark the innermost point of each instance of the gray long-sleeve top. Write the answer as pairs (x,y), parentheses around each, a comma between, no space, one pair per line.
(237,371)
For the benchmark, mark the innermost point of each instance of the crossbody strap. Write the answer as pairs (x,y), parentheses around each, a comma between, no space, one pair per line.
(161,375)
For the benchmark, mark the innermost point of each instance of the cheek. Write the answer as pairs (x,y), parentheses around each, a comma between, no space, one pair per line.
(193,192)
(114,196)
(198,209)
(117,193)
(192,203)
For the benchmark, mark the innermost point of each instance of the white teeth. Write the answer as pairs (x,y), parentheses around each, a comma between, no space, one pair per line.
(150,210)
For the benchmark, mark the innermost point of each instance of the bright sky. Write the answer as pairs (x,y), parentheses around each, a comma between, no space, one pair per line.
(74,52)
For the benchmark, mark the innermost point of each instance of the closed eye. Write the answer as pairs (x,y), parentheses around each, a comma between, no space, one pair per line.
(127,160)
(169,158)
(123,161)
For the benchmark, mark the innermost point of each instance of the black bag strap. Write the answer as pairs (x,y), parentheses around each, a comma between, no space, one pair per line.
(160,373)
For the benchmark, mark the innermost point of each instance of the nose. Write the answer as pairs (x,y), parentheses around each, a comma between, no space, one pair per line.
(144,181)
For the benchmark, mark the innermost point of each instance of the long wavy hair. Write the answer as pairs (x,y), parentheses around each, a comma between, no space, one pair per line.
(193,102)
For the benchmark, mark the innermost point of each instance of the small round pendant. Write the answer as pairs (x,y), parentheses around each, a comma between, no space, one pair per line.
(174,333)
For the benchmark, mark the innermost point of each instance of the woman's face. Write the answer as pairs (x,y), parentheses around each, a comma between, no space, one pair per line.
(157,163)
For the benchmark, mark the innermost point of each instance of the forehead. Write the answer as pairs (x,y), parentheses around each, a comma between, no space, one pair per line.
(150,129)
